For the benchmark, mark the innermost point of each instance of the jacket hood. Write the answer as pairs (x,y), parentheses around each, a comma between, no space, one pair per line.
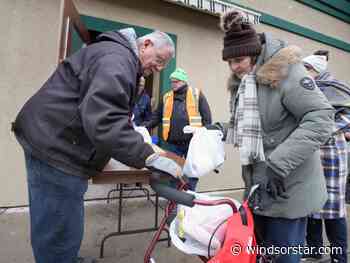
(125,37)
(273,63)
(337,92)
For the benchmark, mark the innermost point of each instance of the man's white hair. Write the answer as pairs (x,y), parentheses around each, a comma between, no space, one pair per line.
(160,40)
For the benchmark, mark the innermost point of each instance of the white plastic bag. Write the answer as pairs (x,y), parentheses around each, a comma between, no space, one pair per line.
(191,233)
(206,151)
(144,132)
(113,164)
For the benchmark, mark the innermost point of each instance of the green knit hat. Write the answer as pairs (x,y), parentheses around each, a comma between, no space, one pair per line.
(179,74)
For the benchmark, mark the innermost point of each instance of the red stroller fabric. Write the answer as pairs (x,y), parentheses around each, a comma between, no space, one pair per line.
(240,243)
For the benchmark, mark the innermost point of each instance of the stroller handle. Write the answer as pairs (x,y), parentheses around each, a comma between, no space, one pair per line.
(157,180)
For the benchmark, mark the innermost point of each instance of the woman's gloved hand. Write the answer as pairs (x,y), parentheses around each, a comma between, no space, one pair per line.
(263,197)
(275,185)
(260,200)
(166,162)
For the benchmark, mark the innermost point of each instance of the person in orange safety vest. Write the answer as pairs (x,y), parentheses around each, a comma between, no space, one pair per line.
(182,105)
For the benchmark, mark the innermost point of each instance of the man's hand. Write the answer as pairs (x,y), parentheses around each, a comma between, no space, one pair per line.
(275,185)
(166,162)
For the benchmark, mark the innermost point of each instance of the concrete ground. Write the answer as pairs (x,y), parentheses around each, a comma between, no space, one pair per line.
(100,219)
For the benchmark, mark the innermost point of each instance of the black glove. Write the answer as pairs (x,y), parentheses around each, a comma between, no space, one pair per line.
(218,126)
(275,185)
(260,200)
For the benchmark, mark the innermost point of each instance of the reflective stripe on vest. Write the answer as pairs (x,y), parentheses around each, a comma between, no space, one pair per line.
(192,107)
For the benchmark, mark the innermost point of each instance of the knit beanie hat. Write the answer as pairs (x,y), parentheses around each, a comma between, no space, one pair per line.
(240,37)
(317,62)
(179,74)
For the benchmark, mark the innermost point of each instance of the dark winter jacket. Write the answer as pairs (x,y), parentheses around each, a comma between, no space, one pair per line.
(142,110)
(80,118)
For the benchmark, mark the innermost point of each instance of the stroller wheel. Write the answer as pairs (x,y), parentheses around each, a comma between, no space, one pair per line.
(151,260)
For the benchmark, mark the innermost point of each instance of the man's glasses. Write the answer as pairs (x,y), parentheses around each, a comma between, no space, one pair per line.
(161,62)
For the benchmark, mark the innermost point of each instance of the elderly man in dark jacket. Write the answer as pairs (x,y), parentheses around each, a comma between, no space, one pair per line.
(75,123)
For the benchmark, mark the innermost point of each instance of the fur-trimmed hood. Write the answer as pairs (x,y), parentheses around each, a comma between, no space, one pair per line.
(273,63)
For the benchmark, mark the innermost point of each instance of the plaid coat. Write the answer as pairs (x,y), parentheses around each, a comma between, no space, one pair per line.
(334,162)
(334,153)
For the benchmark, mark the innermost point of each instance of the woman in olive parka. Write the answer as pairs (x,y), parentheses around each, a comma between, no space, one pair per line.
(279,120)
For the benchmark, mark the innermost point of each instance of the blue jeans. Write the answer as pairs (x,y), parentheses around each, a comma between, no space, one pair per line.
(56,207)
(181,150)
(336,231)
(281,232)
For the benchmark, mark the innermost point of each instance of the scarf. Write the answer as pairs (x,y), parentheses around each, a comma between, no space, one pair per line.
(247,132)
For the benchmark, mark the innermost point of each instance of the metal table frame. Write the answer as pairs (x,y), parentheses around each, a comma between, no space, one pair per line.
(121,177)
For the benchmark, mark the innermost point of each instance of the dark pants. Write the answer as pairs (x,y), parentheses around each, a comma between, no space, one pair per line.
(281,233)
(56,207)
(336,231)
(181,150)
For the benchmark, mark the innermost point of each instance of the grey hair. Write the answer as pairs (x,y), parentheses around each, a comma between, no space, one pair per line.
(160,40)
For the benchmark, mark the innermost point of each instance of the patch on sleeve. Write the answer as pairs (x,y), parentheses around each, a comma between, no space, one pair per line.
(308,83)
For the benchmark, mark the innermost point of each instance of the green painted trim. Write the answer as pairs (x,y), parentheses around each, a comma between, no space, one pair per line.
(297,29)
(76,41)
(305,32)
(341,14)
(340,5)
(102,25)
